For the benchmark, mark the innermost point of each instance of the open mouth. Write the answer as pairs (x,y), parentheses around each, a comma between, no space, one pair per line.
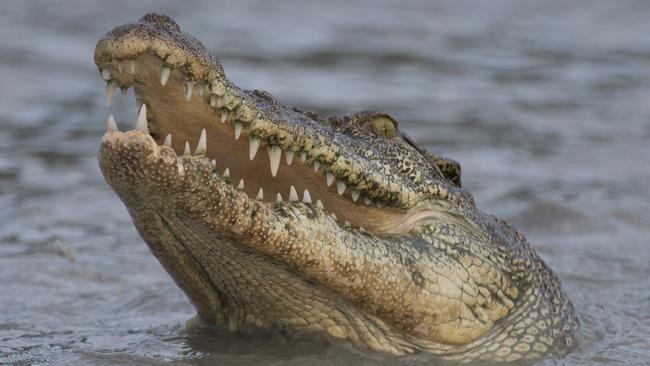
(271,152)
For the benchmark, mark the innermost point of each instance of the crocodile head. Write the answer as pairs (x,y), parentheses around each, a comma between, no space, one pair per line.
(268,216)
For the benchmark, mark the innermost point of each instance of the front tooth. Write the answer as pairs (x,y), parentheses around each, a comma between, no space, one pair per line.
(355,195)
(106,74)
(289,156)
(293,195)
(226,173)
(306,197)
(213,101)
(202,146)
(329,177)
(141,123)
(189,86)
(110,91)
(278,198)
(224,115)
(340,187)
(367,201)
(111,125)
(120,65)
(168,140)
(238,128)
(187,148)
(132,66)
(254,145)
(275,154)
(164,75)
(240,186)
(303,156)
(260,195)
(319,204)
(316,165)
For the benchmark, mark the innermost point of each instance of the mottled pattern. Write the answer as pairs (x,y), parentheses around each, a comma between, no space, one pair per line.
(459,283)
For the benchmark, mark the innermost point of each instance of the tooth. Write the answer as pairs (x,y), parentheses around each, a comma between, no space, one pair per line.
(240,186)
(187,148)
(124,89)
(189,86)
(238,128)
(293,195)
(141,123)
(347,223)
(168,140)
(306,197)
(329,177)
(226,173)
(333,216)
(340,187)
(202,89)
(254,145)
(355,195)
(132,66)
(164,75)
(181,168)
(202,146)
(119,66)
(213,164)
(260,195)
(367,200)
(106,74)
(213,101)
(278,199)
(316,165)
(303,156)
(275,154)
(319,204)
(111,125)
(224,115)
(289,156)
(110,91)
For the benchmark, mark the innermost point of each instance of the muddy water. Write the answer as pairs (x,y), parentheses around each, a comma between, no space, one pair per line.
(545,104)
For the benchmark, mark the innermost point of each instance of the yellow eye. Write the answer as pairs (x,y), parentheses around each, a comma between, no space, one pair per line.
(384,126)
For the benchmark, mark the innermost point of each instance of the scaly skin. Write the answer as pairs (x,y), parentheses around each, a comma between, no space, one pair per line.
(415,268)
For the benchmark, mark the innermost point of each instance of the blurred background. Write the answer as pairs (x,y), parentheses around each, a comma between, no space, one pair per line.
(546,105)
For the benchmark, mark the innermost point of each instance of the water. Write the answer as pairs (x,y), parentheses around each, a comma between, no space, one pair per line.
(545,104)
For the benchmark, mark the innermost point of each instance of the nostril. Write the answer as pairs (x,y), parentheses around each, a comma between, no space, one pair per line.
(161,22)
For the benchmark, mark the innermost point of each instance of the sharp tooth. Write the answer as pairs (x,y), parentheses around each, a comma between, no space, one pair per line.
(164,75)
(260,195)
(303,156)
(213,101)
(367,200)
(306,197)
(333,216)
(106,74)
(201,89)
(329,178)
(213,164)
(187,148)
(319,204)
(288,156)
(181,169)
(316,165)
(111,125)
(120,64)
(224,115)
(168,140)
(226,173)
(238,128)
(202,146)
(254,145)
(132,66)
(141,123)
(124,90)
(278,198)
(275,154)
(189,86)
(293,195)
(340,187)
(240,186)
(110,91)
(355,195)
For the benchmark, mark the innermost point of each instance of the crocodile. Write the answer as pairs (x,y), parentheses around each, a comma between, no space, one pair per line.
(343,228)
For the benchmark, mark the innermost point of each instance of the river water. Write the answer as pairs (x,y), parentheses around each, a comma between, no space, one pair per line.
(546,104)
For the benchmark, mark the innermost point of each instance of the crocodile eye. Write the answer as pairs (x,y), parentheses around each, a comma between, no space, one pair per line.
(384,126)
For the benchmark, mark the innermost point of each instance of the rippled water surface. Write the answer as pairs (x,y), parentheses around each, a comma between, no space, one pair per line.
(546,104)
